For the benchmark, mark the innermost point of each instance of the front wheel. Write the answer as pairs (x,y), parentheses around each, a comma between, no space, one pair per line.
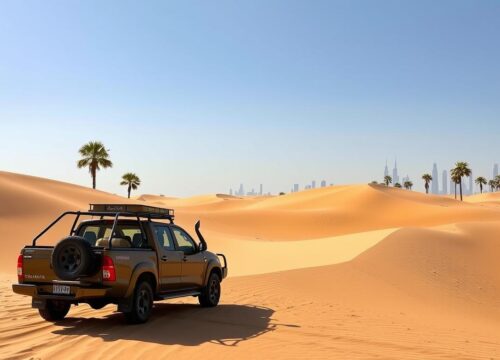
(210,294)
(55,310)
(142,304)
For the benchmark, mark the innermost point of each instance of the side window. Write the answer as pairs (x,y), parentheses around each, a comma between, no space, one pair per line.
(165,238)
(184,241)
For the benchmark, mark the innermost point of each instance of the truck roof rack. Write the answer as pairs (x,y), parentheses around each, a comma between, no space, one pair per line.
(133,209)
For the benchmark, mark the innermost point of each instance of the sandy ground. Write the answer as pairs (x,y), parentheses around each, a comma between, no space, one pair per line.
(345,272)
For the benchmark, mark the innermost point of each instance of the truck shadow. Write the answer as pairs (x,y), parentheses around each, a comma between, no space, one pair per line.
(182,324)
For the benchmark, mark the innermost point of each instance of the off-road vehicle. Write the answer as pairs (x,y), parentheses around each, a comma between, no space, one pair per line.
(128,255)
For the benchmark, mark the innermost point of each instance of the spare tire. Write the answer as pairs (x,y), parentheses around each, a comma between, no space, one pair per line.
(73,258)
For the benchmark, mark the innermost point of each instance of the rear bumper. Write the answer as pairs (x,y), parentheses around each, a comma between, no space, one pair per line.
(43,292)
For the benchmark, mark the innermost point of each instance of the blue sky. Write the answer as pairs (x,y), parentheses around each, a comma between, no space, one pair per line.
(272,92)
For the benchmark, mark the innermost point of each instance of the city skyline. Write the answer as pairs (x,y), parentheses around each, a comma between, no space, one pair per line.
(468,183)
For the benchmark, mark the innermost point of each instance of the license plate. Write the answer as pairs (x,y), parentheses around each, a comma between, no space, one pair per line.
(61,289)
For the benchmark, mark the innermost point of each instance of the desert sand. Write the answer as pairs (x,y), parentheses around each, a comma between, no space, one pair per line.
(343,272)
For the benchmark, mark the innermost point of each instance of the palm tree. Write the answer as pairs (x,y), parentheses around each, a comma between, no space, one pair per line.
(397,185)
(132,181)
(427,178)
(456,180)
(387,180)
(481,181)
(408,185)
(497,181)
(492,184)
(461,169)
(95,156)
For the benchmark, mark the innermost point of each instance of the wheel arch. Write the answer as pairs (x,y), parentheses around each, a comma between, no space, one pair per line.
(143,271)
(213,267)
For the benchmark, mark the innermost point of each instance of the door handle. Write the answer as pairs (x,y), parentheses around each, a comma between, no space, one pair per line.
(164,258)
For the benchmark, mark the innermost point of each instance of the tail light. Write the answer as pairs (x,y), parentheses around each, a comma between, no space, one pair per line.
(108,269)
(20,274)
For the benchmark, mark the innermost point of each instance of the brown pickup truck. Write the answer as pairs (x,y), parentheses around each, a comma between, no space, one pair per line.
(128,255)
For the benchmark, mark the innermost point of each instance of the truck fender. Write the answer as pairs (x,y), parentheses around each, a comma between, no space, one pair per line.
(141,268)
(213,264)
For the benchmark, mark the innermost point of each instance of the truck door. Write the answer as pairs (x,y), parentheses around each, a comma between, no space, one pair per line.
(194,262)
(169,259)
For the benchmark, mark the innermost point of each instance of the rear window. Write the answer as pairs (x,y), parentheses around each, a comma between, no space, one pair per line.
(130,235)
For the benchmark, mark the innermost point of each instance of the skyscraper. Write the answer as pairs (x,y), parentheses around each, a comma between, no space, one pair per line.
(386,170)
(495,171)
(435,182)
(313,184)
(395,176)
(445,183)
(261,190)
(471,184)
(295,187)
(323,183)
(404,179)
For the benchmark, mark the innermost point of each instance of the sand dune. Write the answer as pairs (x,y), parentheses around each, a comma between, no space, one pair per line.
(485,198)
(402,275)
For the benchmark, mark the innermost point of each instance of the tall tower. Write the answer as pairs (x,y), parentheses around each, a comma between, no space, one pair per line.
(395,176)
(471,184)
(445,182)
(386,170)
(495,171)
(435,181)
(261,190)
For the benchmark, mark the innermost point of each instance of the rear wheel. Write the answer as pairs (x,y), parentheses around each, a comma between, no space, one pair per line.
(210,294)
(142,304)
(55,310)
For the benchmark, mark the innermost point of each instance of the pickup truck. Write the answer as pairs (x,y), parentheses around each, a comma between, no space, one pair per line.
(128,255)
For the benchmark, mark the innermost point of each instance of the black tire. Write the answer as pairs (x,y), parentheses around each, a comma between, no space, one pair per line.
(210,294)
(142,304)
(73,258)
(55,310)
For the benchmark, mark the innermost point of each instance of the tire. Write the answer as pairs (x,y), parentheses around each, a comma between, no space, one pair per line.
(210,294)
(142,304)
(73,258)
(55,310)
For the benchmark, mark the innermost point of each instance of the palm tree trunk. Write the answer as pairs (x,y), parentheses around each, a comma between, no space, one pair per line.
(461,197)
(455,191)
(93,177)
(481,188)
(129,189)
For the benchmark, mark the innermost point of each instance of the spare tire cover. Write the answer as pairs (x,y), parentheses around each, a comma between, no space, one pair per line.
(73,258)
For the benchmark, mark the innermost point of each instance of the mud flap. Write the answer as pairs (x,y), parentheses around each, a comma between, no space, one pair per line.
(38,303)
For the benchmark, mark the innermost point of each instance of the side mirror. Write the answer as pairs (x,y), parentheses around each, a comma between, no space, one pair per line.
(203,244)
